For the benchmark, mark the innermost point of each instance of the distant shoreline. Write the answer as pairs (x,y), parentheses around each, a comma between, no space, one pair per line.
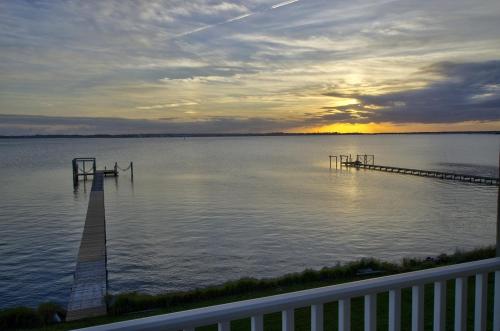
(212,135)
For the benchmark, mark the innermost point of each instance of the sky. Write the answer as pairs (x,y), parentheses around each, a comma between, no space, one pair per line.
(175,66)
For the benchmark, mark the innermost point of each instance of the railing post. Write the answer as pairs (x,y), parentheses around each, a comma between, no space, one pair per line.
(395,310)
(317,317)
(257,323)
(417,308)
(496,304)
(371,312)
(287,320)
(345,314)
(224,326)
(480,302)
(84,171)
(461,304)
(439,305)
(498,212)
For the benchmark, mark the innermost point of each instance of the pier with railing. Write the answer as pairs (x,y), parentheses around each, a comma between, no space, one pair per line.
(367,161)
(90,279)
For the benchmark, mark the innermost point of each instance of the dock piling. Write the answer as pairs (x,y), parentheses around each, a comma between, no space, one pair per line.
(336,161)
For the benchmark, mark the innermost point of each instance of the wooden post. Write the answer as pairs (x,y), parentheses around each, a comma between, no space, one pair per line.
(330,161)
(84,171)
(131,170)
(116,168)
(498,211)
(75,173)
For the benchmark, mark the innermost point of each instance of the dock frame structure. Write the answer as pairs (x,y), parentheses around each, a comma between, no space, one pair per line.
(81,168)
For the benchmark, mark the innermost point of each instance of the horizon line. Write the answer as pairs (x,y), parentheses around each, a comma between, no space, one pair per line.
(236,134)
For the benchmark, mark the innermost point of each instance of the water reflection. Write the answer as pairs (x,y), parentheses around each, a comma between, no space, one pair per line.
(202,211)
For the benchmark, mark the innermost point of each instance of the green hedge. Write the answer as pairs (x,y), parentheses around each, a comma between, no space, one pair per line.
(125,303)
(133,302)
(25,318)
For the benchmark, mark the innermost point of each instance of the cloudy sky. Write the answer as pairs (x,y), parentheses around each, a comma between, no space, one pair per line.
(248,66)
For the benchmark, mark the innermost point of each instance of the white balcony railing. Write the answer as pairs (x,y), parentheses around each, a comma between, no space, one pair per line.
(316,298)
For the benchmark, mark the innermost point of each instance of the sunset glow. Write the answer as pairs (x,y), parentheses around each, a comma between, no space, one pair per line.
(248,66)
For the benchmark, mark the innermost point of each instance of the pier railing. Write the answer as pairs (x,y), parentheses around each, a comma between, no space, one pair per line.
(367,162)
(254,309)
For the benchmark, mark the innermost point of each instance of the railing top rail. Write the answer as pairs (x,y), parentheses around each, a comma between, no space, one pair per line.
(242,309)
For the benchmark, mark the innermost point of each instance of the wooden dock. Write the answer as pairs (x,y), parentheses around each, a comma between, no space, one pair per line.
(426,173)
(89,289)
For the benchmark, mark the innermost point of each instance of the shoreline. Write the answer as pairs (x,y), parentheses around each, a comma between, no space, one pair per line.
(131,305)
(222,135)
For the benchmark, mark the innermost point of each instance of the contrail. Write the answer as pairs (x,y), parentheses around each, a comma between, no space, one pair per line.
(239,17)
(284,3)
(203,28)
(206,27)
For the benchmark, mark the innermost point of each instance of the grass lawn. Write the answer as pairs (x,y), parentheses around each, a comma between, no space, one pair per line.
(135,305)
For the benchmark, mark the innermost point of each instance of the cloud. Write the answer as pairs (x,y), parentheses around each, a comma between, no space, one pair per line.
(105,58)
(465,92)
(236,18)
(31,125)
(168,105)
(457,93)
(202,79)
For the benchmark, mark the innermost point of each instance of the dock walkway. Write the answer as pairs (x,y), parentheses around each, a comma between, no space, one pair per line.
(89,288)
(427,173)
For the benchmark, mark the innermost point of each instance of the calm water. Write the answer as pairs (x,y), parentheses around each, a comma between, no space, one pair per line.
(205,210)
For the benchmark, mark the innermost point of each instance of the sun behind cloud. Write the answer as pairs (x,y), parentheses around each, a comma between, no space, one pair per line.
(253,66)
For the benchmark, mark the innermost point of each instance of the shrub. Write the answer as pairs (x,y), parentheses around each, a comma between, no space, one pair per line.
(18,318)
(47,311)
(133,302)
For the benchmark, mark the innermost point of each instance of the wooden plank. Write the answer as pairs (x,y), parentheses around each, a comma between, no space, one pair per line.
(87,298)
